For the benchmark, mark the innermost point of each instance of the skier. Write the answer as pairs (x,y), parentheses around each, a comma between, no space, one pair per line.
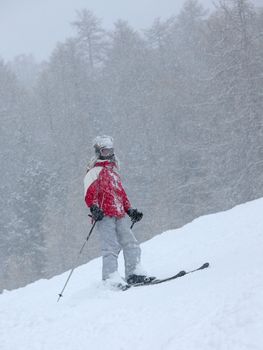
(108,203)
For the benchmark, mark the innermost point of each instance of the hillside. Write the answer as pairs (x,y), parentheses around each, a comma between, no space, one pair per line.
(218,308)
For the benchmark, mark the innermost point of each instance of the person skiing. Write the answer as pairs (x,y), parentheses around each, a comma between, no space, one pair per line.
(108,204)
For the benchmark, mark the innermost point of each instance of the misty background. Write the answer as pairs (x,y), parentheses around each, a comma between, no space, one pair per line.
(29,26)
(180,90)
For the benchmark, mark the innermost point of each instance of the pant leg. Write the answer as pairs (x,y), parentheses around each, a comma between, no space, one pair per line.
(130,246)
(110,246)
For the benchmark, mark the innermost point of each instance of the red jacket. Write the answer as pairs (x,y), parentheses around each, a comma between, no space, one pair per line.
(103,187)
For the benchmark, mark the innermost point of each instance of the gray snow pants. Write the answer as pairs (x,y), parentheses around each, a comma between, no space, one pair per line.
(115,235)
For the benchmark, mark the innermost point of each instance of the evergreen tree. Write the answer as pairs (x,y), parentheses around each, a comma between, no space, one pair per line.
(91,37)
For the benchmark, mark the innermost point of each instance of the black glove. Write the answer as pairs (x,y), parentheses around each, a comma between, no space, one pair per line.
(96,212)
(134,214)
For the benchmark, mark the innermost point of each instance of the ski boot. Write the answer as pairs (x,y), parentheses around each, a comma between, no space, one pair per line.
(139,279)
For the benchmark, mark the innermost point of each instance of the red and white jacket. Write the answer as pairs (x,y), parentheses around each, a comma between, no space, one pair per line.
(103,187)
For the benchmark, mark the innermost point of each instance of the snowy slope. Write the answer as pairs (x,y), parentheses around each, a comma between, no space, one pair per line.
(218,308)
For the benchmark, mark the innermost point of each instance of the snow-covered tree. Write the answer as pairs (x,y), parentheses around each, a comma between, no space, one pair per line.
(91,37)
(183,101)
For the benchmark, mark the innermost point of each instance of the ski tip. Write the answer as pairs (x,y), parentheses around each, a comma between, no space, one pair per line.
(205,265)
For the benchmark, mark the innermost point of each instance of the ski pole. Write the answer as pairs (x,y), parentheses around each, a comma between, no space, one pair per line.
(133,222)
(75,265)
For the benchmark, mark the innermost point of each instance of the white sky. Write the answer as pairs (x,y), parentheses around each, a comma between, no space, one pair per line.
(34,26)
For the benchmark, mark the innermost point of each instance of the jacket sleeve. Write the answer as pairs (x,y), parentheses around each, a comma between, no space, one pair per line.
(91,186)
(126,202)
(91,195)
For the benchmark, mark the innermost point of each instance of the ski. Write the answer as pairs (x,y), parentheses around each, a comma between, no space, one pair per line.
(162,280)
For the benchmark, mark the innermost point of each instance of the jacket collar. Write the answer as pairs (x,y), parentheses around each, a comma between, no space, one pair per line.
(105,163)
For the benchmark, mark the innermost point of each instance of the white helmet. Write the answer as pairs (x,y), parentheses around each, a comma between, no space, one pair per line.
(103,142)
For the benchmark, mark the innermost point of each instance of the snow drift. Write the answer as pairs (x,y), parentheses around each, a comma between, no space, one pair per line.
(218,308)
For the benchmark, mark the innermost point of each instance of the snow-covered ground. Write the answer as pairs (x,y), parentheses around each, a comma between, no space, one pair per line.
(217,308)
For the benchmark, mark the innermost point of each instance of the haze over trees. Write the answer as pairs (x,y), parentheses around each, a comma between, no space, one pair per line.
(182,99)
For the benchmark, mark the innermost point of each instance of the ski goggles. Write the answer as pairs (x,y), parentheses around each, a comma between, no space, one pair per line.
(106,152)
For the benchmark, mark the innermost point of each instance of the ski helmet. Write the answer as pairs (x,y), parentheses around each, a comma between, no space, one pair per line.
(104,147)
